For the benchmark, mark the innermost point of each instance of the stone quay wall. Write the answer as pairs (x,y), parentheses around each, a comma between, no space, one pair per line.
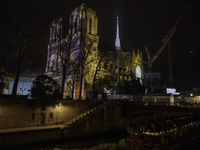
(22,138)
(21,125)
(16,113)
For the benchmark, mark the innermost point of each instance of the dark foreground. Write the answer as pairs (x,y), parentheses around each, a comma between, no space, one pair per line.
(76,143)
(106,141)
(191,144)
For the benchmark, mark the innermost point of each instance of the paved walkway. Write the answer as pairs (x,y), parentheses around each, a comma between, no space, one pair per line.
(31,128)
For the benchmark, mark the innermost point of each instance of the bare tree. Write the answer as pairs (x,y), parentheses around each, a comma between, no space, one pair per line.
(104,68)
(21,42)
(22,39)
(87,55)
(74,53)
(21,45)
(68,58)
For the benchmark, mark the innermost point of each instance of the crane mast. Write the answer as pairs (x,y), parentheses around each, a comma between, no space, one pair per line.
(169,44)
(166,40)
(150,63)
(177,22)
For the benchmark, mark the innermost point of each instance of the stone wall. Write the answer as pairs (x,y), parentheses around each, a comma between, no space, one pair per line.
(16,113)
(29,137)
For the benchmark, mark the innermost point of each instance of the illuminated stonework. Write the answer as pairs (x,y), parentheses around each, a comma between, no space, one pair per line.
(82,17)
(137,65)
(128,65)
(128,62)
(84,20)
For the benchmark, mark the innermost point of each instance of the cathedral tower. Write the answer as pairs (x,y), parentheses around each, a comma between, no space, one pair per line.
(82,26)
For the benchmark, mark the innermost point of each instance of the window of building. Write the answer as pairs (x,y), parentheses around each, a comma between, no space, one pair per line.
(51,115)
(90,26)
(75,25)
(33,116)
(86,21)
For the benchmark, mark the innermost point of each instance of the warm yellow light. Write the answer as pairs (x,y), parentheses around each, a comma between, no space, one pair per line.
(60,104)
(191,94)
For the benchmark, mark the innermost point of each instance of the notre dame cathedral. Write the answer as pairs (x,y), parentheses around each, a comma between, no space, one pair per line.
(83,23)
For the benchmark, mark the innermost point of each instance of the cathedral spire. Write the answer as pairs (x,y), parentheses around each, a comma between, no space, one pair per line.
(117,40)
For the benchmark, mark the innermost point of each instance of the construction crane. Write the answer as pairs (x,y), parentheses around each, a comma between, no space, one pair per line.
(150,61)
(169,44)
(176,23)
(165,42)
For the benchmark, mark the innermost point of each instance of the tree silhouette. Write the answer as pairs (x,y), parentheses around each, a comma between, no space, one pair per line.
(104,70)
(86,56)
(44,90)
(22,39)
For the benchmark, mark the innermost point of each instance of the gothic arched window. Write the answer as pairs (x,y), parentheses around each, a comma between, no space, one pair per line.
(86,21)
(75,25)
(90,26)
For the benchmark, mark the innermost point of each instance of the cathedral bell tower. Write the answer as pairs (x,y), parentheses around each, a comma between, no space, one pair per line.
(85,22)
(83,27)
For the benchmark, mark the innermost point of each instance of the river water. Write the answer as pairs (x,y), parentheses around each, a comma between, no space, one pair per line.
(102,141)
(191,144)
(106,141)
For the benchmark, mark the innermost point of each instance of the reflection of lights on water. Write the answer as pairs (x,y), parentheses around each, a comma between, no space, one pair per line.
(175,132)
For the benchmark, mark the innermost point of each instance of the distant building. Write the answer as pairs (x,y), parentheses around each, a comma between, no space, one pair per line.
(194,91)
(6,80)
(155,81)
(195,98)
(23,86)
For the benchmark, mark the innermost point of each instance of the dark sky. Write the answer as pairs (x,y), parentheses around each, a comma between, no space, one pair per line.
(142,22)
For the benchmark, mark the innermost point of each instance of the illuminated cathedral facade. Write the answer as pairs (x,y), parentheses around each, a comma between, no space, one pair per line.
(83,26)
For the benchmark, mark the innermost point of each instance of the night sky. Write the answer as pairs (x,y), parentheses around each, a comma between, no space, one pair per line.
(142,22)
